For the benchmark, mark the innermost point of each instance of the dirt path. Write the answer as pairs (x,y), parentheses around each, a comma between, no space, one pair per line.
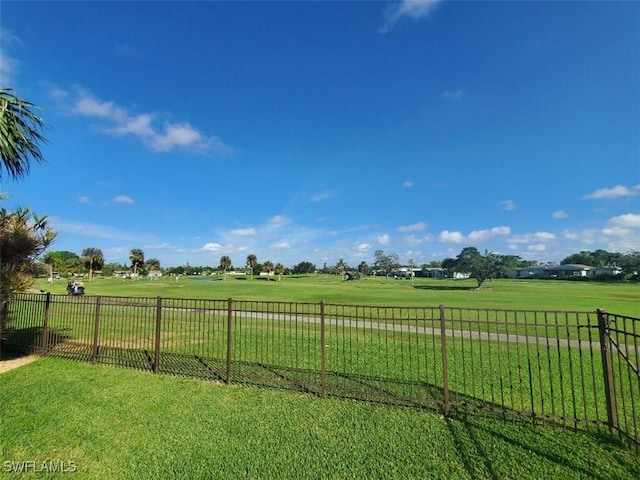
(6,365)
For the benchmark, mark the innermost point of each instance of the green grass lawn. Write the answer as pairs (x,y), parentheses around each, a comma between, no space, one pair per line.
(621,298)
(119,423)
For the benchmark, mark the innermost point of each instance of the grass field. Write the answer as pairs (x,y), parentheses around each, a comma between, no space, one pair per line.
(128,424)
(621,298)
(118,423)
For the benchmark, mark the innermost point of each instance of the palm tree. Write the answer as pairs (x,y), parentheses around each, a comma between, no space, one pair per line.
(93,260)
(23,237)
(225,264)
(21,132)
(252,261)
(137,260)
(279,270)
(268,267)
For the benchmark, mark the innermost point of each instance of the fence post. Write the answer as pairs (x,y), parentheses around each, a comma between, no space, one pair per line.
(323,358)
(96,331)
(156,357)
(229,339)
(445,363)
(44,336)
(607,371)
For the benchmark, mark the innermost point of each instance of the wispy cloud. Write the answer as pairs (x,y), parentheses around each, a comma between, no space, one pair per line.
(84,199)
(157,134)
(415,9)
(416,227)
(123,199)
(9,66)
(408,184)
(243,232)
(560,214)
(322,196)
(508,205)
(613,192)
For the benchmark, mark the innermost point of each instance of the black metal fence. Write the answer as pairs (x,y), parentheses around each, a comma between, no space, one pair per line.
(576,370)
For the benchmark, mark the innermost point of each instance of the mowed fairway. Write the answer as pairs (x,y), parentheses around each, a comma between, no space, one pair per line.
(118,423)
(620,298)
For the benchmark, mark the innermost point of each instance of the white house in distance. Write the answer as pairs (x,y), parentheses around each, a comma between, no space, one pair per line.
(563,272)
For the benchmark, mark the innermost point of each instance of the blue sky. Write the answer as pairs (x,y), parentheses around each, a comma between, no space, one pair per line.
(315,131)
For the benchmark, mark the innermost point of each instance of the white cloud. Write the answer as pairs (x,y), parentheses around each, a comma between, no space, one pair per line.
(278,220)
(629,220)
(211,247)
(560,214)
(538,247)
(363,247)
(244,232)
(123,199)
(415,9)
(416,227)
(160,136)
(408,184)
(280,245)
(484,235)
(383,239)
(614,192)
(477,236)
(451,237)
(319,197)
(508,205)
(158,246)
(84,199)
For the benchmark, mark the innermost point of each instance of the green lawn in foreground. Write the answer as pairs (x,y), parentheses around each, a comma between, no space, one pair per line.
(621,298)
(117,423)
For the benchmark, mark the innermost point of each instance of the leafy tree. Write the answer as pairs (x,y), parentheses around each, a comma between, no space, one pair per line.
(137,260)
(225,263)
(363,268)
(63,261)
(482,267)
(251,263)
(449,264)
(304,268)
(630,264)
(152,264)
(93,260)
(21,132)
(23,238)
(386,262)
(341,267)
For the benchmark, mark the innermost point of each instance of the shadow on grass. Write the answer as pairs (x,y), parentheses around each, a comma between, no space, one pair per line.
(472,435)
(444,287)
(471,418)
(19,342)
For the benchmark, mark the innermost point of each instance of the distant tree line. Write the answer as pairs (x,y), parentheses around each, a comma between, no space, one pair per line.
(481,266)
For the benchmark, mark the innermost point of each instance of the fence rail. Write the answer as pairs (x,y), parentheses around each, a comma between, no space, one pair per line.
(572,369)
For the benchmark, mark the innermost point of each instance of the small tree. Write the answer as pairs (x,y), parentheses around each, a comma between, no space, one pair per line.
(481,267)
(386,262)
